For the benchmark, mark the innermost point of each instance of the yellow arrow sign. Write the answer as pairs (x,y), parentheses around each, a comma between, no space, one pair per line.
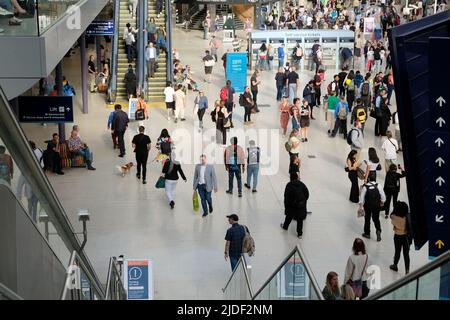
(439,244)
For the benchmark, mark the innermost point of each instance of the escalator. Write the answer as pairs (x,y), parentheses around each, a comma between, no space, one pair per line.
(38,245)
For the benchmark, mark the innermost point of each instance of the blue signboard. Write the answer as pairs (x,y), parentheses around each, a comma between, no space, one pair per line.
(45,109)
(236,70)
(139,279)
(439,160)
(101,28)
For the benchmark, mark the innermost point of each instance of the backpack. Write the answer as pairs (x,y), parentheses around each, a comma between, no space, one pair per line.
(241,99)
(349,137)
(361,115)
(373,197)
(330,88)
(5,173)
(392,182)
(365,89)
(140,114)
(248,243)
(213,116)
(224,94)
(253,155)
(342,113)
(68,90)
(288,146)
(166,147)
(351,85)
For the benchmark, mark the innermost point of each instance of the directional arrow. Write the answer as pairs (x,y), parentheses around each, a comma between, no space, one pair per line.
(439,141)
(439,218)
(440,121)
(440,161)
(440,244)
(440,101)
(439,199)
(440,181)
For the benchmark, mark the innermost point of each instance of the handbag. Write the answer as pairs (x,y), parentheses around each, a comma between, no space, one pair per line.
(361,174)
(195,108)
(227,123)
(161,183)
(210,63)
(358,284)
(195,202)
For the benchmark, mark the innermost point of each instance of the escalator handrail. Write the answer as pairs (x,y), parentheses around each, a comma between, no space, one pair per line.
(416,274)
(169,56)
(115,52)
(8,293)
(282,264)
(242,262)
(75,259)
(113,273)
(14,138)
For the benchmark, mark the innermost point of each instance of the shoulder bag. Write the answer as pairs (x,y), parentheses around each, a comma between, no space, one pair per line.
(357,284)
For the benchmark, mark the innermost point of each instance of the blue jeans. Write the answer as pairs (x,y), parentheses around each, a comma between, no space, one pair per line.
(205,197)
(85,152)
(231,174)
(205,33)
(292,92)
(280,62)
(252,170)
(279,91)
(234,261)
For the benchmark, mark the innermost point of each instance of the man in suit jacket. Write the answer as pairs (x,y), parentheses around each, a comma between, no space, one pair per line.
(205,181)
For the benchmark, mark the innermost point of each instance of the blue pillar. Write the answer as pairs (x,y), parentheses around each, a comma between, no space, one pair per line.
(98,42)
(84,65)
(59,83)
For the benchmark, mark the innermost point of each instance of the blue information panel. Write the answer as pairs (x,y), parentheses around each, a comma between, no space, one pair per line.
(294,281)
(101,28)
(236,70)
(439,155)
(45,109)
(139,279)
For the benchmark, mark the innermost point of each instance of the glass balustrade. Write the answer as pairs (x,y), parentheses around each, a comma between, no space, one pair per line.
(292,280)
(238,286)
(33,17)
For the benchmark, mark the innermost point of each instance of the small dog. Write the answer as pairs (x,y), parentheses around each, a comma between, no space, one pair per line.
(125,169)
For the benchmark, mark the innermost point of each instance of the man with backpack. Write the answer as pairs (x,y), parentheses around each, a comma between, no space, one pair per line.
(371,201)
(227,95)
(236,242)
(355,138)
(234,159)
(340,114)
(365,91)
(296,195)
(359,113)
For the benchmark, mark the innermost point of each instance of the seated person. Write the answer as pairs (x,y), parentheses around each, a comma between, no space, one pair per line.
(78,147)
(14,8)
(52,159)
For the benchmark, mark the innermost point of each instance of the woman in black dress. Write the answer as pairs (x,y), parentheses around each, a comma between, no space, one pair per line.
(352,169)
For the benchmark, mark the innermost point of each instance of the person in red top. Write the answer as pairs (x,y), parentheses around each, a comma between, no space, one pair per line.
(54,93)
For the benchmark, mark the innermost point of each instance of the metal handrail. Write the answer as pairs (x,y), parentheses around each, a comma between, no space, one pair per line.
(8,293)
(282,264)
(75,260)
(415,275)
(114,275)
(169,57)
(112,90)
(14,138)
(242,262)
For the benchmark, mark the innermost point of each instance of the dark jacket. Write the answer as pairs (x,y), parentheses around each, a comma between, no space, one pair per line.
(130,82)
(120,121)
(172,174)
(295,196)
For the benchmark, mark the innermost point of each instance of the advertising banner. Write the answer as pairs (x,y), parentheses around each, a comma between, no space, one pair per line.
(236,70)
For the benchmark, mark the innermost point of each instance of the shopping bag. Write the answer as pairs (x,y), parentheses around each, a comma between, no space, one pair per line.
(195,203)
(161,183)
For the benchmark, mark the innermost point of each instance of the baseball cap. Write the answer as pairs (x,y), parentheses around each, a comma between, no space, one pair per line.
(233,217)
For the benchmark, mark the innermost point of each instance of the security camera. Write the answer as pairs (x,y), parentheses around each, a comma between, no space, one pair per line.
(83,215)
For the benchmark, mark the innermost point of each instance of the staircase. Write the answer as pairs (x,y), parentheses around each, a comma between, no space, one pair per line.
(156,85)
(197,19)
(122,61)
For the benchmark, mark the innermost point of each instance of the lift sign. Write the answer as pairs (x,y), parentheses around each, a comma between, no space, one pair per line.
(139,279)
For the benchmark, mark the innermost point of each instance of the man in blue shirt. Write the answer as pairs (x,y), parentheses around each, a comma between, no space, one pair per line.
(340,114)
(281,55)
(234,240)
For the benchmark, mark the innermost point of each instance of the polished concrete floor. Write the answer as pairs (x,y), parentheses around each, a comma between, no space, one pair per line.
(135,220)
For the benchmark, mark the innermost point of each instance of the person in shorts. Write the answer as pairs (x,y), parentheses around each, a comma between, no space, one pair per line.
(169,92)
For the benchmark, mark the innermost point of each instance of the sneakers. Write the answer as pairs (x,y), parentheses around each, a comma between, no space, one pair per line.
(172,204)
(210,209)
(393,267)
(183,119)
(121,155)
(378,236)
(366,235)
(229,192)
(240,195)
(386,216)
(281,225)
(300,236)
(60,173)
(144,182)
(15,22)
(204,215)
(91,168)
(138,176)
(247,186)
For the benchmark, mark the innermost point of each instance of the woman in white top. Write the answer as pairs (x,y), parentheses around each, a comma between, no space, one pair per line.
(372,165)
(356,269)
(370,58)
